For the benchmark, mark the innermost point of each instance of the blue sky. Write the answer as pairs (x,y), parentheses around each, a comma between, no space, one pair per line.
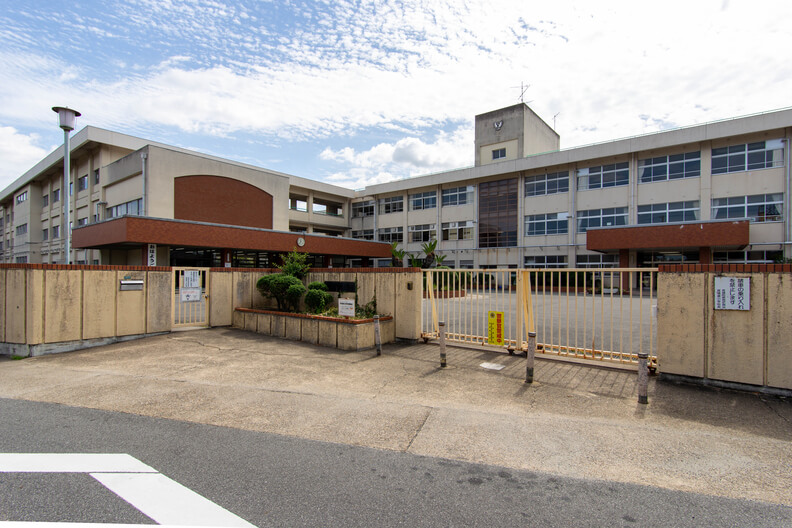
(355,93)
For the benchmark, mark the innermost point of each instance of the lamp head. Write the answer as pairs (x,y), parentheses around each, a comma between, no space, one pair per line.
(66,117)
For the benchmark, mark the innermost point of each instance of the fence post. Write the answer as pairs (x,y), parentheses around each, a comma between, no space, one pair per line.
(529,354)
(441,331)
(643,377)
(377,338)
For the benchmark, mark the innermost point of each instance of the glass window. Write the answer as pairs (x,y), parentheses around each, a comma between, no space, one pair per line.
(422,232)
(603,176)
(545,224)
(457,196)
(96,176)
(44,235)
(82,221)
(672,167)
(56,195)
(597,261)
(364,234)
(45,200)
(363,209)
(499,153)
(82,183)
(757,207)
(21,197)
(425,200)
(665,213)
(21,229)
(750,156)
(55,231)
(542,184)
(393,204)
(391,234)
(545,261)
(747,257)
(458,230)
(498,215)
(129,208)
(612,216)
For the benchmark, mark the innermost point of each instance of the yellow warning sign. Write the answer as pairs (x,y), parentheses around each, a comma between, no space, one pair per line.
(495,328)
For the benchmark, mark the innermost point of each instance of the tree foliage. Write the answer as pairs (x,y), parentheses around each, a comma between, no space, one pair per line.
(287,290)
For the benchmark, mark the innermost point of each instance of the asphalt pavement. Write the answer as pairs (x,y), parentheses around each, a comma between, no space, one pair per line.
(574,422)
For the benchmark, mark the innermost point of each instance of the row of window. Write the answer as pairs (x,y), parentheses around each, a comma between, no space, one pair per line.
(418,201)
(419,232)
(582,261)
(132,207)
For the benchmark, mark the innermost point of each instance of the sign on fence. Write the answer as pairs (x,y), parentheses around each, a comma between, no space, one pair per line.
(495,328)
(733,293)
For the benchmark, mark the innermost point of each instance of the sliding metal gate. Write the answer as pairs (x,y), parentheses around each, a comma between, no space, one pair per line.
(603,314)
(190,300)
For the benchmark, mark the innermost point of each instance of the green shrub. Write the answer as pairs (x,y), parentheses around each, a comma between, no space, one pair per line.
(317,300)
(294,264)
(285,289)
(317,285)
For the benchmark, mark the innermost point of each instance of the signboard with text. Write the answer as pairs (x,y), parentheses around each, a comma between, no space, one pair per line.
(346,307)
(733,293)
(495,328)
(152,254)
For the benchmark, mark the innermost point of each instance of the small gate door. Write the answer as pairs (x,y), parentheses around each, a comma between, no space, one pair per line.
(190,299)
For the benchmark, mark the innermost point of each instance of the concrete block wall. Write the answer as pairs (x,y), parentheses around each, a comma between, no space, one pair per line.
(46,308)
(733,346)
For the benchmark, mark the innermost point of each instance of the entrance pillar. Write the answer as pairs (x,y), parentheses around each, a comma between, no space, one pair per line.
(624,262)
(705,255)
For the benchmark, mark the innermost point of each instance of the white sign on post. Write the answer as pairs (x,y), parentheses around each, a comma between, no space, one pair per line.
(152,254)
(733,293)
(346,307)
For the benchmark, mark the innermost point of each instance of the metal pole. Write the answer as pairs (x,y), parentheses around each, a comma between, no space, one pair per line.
(66,199)
(529,354)
(643,377)
(441,332)
(377,339)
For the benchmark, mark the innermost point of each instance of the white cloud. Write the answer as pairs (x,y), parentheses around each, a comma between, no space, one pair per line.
(19,152)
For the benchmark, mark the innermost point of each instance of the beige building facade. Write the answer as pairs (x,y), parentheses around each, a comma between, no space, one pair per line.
(710,193)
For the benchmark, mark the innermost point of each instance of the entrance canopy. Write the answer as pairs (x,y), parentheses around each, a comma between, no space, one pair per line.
(134,231)
(721,234)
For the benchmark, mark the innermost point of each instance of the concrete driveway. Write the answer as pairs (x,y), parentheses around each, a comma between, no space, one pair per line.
(574,420)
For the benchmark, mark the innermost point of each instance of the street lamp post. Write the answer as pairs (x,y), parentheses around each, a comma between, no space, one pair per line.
(66,122)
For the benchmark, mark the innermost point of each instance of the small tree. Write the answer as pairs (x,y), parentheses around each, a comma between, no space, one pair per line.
(397,255)
(294,264)
(285,289)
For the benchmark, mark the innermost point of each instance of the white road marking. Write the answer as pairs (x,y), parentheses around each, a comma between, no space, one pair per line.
(72,463)
(162,499)
(166,501)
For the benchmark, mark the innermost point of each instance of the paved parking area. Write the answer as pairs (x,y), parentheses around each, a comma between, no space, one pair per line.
(574,420)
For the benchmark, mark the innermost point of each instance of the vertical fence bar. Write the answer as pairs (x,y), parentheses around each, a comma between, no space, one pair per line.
(442,334)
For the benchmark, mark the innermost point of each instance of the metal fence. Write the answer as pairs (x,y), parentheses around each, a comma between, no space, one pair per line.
(592,314)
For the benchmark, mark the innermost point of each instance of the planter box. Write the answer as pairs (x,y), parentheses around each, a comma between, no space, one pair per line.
(344,334)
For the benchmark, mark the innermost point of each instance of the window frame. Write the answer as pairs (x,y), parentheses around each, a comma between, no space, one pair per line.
(391,204)
(737,157)
(691,212)
(558,181)
(670,167)
(499,153)
(532,222)
(391,234)
(422,232)
(594,177)
(618,213)
(733,203)
(462,195)
(361,209)
(423,200)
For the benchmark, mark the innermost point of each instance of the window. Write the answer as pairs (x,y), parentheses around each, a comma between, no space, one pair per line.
(499,153)
(96,177)
(458,230)
(394,204)
(56,196)
(545,261)
(672,167)
(425,200)
(457,196)
(597,261)
(44,235)
(391,234)
(750,156)
(55,231)
(553,183)
(1,245)
(603,176)
(298,204)
(82,183)
(746,257)
(612,216)
(21,229)
(327,208)
(465,264)
(665,213)
(45,200)
(422,232)
(362,209)
(298,229)
(21,197)
(71,188)
(131,208)
(546,224)
(498,217)
(364,234)
(82,221)
(21,260)
(757,207)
